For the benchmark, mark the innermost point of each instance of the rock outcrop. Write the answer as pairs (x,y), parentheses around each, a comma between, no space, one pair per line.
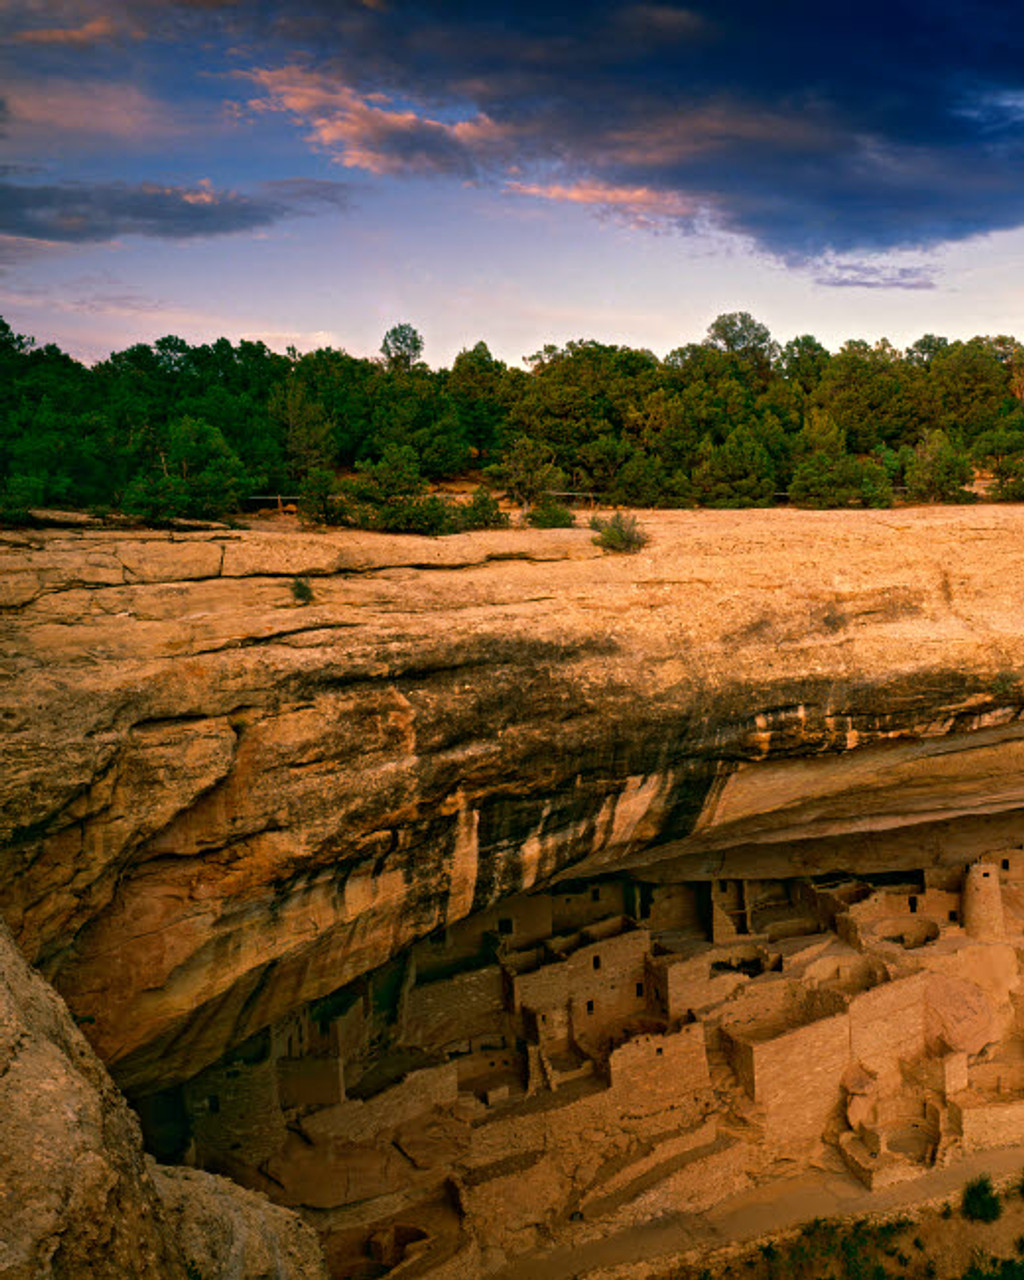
(76,1196)
(219,803)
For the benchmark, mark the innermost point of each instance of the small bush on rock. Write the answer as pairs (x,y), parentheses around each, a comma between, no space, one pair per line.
(980,1202)
(619,533)
(549,514)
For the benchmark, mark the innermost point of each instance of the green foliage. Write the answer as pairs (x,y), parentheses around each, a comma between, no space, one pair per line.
(480,512)
(302,592)
(736,473)
(169,429)
(979,1202)
(528,471)
(191,472)
(619,533)
(402,347)
(550,514)
(939,470)
(319,500)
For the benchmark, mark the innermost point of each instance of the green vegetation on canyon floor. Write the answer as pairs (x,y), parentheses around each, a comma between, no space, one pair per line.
(173,430)
(952,1241)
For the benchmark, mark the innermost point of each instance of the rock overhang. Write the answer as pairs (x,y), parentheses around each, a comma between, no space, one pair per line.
(221,804)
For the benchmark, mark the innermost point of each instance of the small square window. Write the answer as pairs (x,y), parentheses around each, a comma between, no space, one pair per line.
(590,1006)
(505,925)
(952,917)
(659,1051)
(1006,864)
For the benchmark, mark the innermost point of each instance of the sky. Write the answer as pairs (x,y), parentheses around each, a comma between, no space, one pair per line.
(312,172)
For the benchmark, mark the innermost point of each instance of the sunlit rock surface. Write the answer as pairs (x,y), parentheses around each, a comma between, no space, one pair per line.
(219,804)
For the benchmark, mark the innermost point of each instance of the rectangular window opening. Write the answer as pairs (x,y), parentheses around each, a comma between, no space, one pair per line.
(597,962)
(505,925)
(590,1006)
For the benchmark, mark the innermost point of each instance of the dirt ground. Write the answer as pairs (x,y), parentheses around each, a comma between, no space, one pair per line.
(728,1241)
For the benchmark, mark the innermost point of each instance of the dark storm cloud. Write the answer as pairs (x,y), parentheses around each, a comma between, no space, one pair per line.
(807,128)
(80,213)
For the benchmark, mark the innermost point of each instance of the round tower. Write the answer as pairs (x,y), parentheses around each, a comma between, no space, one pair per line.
(983,902)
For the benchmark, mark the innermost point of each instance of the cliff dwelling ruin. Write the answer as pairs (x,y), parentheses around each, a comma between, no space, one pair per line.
(508,897)
(590,1056)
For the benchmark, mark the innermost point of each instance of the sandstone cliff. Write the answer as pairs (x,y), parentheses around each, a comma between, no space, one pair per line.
(219,803)
(76,1196)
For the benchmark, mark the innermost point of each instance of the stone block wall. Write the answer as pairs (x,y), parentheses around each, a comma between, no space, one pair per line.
(887,1024)
(442,1013)
(359,1120)
(575,909)
(661,1070)
(674,907)
(603,983)
(236,1113)
(796,1080)
(990,1125)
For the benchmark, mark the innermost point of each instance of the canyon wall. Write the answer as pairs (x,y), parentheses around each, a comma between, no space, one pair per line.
(219,803)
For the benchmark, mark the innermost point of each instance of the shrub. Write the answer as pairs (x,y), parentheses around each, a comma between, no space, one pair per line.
(939,470)
(980,1202)
(480,512)
(549,514)
(302,592)
(619,533)
(413,513)
(318,497)
(823,480)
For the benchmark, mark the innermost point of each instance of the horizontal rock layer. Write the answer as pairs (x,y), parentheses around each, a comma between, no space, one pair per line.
(219,803)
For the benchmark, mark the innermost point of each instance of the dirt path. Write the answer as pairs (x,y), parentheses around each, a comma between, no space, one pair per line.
(774,1207)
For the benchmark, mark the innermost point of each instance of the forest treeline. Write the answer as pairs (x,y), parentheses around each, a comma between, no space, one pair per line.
(173,429)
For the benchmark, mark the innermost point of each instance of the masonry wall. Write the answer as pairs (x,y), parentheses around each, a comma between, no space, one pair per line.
(357,1120)
(887,1024)
(690,985)
(796,1079)
(675,908)
(998,1125)
(600,996)
(575,909)
(661,1069)
(236,1113)
(518,921)
(451,1010)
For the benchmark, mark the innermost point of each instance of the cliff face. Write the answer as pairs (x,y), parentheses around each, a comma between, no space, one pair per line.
(219,803)
(78,1198)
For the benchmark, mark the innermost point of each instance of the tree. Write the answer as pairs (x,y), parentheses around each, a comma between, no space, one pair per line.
(803,362)
(939,471)
(401,348)
(736,473)
(528,471)
(740,335)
